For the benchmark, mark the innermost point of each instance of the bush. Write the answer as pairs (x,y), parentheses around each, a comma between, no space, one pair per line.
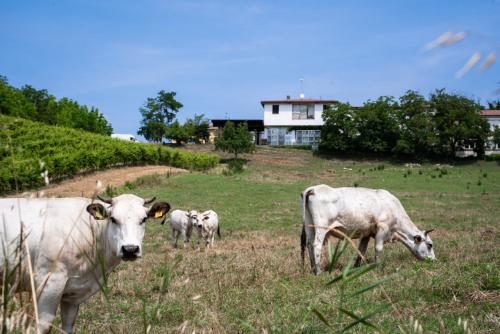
(236,165)
(492,157)
(65,152)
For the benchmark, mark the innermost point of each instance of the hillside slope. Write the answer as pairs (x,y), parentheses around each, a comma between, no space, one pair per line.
(29,149)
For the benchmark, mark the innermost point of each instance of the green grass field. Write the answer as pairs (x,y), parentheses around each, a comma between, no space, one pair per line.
(253,281)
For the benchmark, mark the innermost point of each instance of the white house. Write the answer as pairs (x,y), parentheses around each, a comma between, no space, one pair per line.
(293,121)
(493,117)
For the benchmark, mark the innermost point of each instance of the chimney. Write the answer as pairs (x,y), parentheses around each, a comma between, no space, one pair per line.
(288,97)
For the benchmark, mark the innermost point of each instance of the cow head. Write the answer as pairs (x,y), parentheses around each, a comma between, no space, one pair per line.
(202,226)
(127,216)
(193,217)
(420,244)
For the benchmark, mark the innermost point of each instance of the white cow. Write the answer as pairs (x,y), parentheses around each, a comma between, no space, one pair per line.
(181,224)
(73,244)
(362,213)
(207,225)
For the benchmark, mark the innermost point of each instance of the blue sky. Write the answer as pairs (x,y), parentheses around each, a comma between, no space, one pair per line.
(223,57)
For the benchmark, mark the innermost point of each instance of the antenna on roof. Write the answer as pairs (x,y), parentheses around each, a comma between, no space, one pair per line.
(302,95)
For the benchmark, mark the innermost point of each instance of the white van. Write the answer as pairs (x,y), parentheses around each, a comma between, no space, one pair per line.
(123,136)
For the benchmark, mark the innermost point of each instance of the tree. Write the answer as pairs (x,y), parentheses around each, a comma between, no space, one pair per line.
(494,105)
(157,114)
(178,132)
(235,139)
(418,130)
(458,122)
(45,103)
(13,102)
(197,127)
(339,130)
(378,126)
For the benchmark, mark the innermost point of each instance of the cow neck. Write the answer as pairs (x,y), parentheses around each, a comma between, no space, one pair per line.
(406,227)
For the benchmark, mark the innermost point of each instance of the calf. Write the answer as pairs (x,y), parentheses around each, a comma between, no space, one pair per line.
(360,213)
(207,225)
(181,224)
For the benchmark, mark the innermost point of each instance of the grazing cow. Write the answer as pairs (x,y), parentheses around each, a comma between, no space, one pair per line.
(73,244)
(360,213)
(207,225)
(181,224)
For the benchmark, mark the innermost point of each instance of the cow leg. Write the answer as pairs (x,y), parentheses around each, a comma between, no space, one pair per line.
(49,300)
(184,237)
(363,245)
(172,237)
(207,242)
(310,249)
(68,316)
(177,233)
(380,238)
(189,232)
(319,237)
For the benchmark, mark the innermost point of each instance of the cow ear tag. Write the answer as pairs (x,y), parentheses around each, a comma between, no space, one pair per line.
(158,210)
(97,211)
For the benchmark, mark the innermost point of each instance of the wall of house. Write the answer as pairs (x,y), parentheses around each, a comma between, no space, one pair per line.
(494,121)
(284,118)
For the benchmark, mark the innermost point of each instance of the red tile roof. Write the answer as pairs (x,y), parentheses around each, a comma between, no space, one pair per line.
(298,101)
(491,112)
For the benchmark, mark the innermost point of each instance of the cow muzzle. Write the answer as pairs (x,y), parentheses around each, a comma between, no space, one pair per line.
(130,252)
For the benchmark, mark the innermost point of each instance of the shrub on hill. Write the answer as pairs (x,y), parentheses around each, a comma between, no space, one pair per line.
(29,148)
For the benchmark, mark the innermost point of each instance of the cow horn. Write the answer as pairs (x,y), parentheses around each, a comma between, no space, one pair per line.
(428,231)
(149,200)
(109,200)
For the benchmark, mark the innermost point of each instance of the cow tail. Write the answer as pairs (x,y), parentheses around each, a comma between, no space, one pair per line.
(305,213)
(218,231)
(303,243)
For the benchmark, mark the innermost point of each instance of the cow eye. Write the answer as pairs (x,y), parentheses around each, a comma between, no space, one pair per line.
(429,245)
(418,239)
(113,220)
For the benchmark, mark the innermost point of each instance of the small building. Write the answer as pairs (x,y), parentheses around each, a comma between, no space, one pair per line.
(255,126)
(293,121)
(124,136)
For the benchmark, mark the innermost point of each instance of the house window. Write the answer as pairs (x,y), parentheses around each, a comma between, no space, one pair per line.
(303,111)
(307,137)
(276,108)
(276,136)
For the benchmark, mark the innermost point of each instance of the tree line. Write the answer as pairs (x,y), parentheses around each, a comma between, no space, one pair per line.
(38,105)
(159,122)
(413,126)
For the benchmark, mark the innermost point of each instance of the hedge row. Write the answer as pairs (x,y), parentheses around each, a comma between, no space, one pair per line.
(28,148)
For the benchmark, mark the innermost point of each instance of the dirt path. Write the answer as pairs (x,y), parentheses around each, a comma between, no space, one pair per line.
(85,185)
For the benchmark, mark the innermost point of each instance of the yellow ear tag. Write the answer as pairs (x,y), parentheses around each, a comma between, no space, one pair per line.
(98,215)
(158,214)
